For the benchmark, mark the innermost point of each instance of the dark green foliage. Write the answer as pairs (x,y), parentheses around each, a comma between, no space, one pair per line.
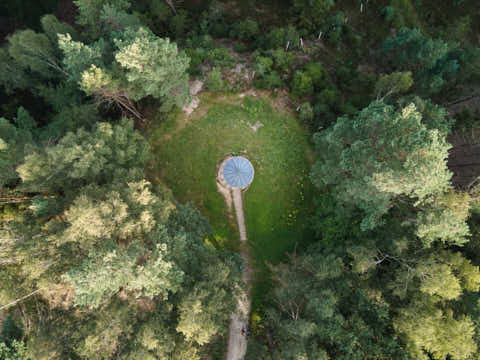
(12,76)
(70,119)
(198,49)
(221,57)
(318,74)
(102,16)
(317,311)
(51,26)
(10,331)
(269,81)
(14,142)
(429,60)
(271,68)
(179,24)
(246,30)
(62,96)
(281,37)
(35,52)
(311,13)
(358,85)
(302,84)
(333,28)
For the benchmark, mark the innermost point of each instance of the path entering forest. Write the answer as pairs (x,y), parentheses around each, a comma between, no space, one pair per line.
(237,339)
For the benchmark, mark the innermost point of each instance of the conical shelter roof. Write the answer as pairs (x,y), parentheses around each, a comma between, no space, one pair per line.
(238,172)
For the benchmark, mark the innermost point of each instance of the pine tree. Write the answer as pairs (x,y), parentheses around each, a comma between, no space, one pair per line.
(428,59)
(380,155)
(105,154)
(90,12)
(35,52)
(153,67)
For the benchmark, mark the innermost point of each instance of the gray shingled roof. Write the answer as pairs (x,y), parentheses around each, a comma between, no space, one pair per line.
(238,172)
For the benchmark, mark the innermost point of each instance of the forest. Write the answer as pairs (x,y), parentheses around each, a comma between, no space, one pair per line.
(358,237)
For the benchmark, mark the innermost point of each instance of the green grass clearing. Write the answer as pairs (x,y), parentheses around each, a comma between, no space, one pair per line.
(187,156)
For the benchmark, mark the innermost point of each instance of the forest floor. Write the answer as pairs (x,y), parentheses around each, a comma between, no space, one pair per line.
(189,148)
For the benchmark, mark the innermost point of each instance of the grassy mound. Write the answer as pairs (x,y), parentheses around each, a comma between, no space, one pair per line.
(188,151)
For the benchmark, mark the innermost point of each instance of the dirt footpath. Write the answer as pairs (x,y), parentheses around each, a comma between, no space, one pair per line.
(237,341)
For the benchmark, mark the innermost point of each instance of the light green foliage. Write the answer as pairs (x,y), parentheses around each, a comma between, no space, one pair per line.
(311,13)
(35,52)
(78,57)
(445,274)
(97,81)
(214,81)
(433,116)
(204,313)
(108,331)
(153,67)
(428,59)
(263,65)
(196,324)
(432,331)
(107,89)
(155,336)
(15,351)
(110,269)
(444,218)
(379,155)
(397,82)
(118,213)
(107,153)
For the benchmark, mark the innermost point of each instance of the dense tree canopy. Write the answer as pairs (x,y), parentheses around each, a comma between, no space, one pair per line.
(374,256)
(384,153)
